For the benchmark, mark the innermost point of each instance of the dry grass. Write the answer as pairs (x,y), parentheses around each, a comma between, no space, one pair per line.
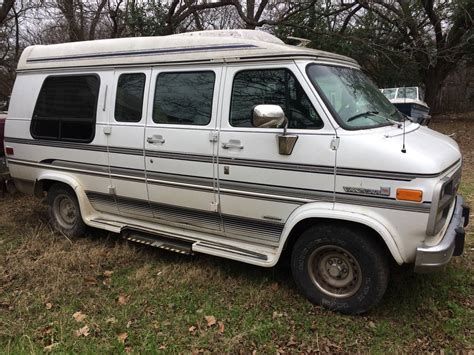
(159,299)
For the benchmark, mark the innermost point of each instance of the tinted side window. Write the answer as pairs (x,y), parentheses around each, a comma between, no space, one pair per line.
(184,98)
(129,98)
(66,108)
(275,87)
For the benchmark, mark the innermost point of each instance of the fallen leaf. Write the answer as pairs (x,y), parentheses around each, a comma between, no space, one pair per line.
(84,331)
(221,327)
(89,280)
(50,347)
(277,315)
(108,273)
(79,316)
(123,299)
(48,305)
(129,323)
(122,337)
(128,349)
(291,342)
(274,286)
(45,330)
(111,320)
(162,347)
(192,329)
(372,325)
(211,320)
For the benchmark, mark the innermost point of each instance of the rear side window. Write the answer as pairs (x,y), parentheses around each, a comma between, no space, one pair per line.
(184,98)
(274,87)
(129,98)
(66,108)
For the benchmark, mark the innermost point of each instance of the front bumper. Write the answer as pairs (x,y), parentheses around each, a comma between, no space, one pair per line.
(431,258)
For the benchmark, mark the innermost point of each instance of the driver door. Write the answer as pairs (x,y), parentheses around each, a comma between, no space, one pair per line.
(259,187)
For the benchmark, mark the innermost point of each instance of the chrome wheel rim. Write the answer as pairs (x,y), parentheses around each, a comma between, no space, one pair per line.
(334,271)
(65,211)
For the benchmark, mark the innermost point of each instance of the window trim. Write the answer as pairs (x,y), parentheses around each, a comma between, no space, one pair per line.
(95,109)
(186,124)
(326,102)
(257,128)
(143,97)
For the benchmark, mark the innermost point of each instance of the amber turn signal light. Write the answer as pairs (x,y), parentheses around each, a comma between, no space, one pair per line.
(410,195)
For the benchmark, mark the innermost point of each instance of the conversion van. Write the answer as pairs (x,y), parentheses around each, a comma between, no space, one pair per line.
(233,144)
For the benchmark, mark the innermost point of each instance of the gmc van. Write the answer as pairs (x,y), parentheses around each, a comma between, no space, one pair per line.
(233,144)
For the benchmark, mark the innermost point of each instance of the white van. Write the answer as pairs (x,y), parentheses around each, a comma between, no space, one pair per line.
(233,144)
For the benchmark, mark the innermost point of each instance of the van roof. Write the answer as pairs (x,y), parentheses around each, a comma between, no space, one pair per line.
(191,47)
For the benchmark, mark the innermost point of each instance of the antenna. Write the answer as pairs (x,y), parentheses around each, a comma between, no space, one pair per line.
(404,150)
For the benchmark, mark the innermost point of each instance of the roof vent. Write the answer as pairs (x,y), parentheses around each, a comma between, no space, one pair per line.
(302,42)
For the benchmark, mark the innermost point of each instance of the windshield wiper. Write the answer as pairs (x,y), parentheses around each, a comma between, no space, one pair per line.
(362,114)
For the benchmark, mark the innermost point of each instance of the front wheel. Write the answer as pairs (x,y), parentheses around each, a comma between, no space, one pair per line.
(64,211)
(340,268)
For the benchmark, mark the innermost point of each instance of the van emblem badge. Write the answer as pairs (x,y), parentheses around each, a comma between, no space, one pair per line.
(383,191)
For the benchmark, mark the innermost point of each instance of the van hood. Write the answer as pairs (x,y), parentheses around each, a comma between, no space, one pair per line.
(427,151)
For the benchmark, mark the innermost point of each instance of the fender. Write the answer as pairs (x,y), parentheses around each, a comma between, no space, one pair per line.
(327,211)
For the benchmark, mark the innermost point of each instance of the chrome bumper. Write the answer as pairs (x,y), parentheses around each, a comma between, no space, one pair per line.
(431,258)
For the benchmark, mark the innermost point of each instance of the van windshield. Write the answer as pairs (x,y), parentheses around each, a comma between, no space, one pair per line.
(353,97)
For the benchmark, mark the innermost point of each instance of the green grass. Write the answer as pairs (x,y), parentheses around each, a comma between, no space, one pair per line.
(169,294)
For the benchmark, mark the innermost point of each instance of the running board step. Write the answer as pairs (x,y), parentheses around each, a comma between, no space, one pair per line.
(159,241)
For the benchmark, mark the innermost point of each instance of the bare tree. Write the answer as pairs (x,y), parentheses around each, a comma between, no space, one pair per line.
(425,37)
(5,8)
(81,17)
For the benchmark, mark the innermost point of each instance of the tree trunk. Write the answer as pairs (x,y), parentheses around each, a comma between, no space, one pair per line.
(433,79)
(250,14)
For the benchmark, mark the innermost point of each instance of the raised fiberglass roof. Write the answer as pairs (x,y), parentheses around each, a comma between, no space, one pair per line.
(225,45)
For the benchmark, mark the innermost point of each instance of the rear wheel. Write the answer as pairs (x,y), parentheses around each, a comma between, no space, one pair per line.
(64,211)
(340,268)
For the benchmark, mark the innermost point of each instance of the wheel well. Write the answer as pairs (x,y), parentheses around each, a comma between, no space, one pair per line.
(301,226)
(43,186)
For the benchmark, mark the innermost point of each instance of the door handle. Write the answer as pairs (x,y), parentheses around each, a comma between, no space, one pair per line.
(232,144)
(155,140)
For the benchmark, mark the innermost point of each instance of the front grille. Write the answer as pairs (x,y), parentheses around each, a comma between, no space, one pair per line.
(444,195)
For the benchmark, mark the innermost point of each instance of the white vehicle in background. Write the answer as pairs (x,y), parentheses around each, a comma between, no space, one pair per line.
(233,144)
(410,102)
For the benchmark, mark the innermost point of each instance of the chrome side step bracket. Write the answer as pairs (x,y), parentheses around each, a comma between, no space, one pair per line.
(159,241)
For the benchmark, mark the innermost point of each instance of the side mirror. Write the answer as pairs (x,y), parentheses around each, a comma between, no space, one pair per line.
(269,116)
(272,116)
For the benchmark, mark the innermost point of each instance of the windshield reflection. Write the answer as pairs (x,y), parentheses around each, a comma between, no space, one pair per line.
(353,97)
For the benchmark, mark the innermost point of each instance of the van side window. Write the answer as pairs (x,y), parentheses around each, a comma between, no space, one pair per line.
(129,97)
(184,98)
(66,108)
(275,87)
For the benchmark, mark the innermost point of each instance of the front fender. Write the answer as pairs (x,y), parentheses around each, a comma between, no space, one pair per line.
(326,210)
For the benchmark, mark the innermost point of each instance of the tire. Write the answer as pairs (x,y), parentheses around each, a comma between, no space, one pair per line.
(64,212)
(341,268)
